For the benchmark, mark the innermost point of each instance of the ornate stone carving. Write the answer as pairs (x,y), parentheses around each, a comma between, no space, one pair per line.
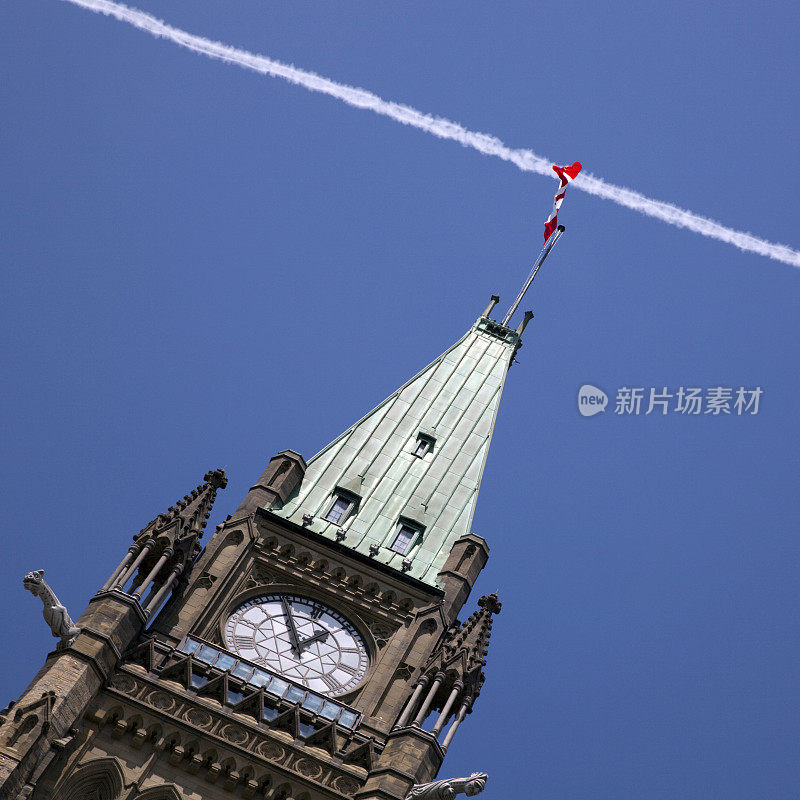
(404,671)
(270,750)
(199,718)
(381,632)
(376,600)
(463,651)
(448,788)
(27,718)
(259,576)
(308,768)
(345,785)
(166,548)
(55,614)
(206,580)
(124,684)
(160,700)
(234,734)
(305,768)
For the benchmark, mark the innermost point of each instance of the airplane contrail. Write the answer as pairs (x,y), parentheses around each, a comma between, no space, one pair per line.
(526,160)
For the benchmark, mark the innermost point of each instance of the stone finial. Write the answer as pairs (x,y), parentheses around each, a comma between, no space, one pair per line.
(191,512)
(463,651)
(490,603)
(216,478)
(473,637)
(169,544)
(448,788)
(55,614)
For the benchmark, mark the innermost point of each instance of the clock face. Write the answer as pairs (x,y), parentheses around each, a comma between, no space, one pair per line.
(301,639)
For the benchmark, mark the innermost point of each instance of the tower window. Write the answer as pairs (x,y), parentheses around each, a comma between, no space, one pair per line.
(404,537)
(341,508)
(424,445)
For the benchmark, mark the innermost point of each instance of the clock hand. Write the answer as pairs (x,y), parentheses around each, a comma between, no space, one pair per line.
(317,637)
(287,612)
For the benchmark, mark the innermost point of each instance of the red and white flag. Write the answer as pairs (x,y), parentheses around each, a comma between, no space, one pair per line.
(565,174)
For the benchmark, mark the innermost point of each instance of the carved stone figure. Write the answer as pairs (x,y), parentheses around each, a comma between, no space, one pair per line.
(447,789)
(55,615)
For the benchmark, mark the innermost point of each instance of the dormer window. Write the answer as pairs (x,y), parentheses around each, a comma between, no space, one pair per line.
(423,445)
(404,537)
(341,507)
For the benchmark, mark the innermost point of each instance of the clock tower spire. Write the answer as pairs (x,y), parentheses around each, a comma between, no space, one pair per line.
(401,484)
(312,649)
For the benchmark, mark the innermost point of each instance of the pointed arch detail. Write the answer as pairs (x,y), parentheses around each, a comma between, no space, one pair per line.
(101,779)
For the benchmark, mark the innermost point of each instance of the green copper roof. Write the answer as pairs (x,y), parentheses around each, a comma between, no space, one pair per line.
(453,401)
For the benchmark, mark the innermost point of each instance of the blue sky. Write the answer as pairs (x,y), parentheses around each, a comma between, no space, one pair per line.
(202,266)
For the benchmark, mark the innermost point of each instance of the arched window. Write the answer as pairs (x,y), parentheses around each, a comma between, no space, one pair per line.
(98,780)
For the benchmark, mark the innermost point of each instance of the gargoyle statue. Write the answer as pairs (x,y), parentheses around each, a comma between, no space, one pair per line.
(55,615)
(449,788)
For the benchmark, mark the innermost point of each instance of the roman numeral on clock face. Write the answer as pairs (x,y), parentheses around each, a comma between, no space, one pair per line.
(331,683)
(243,642)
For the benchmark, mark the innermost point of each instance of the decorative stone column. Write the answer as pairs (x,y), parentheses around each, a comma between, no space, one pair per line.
(423,712)
(459,718)
(454,693)
(131,570)
(132,551)
(169,585)
(412,703)
(153,574)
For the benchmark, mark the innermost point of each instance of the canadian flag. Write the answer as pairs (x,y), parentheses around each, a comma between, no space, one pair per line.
(565,175)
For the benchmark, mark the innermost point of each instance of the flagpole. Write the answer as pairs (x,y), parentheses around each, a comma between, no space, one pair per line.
(545,251)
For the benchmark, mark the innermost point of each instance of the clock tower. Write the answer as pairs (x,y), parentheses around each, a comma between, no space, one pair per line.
(312,650)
